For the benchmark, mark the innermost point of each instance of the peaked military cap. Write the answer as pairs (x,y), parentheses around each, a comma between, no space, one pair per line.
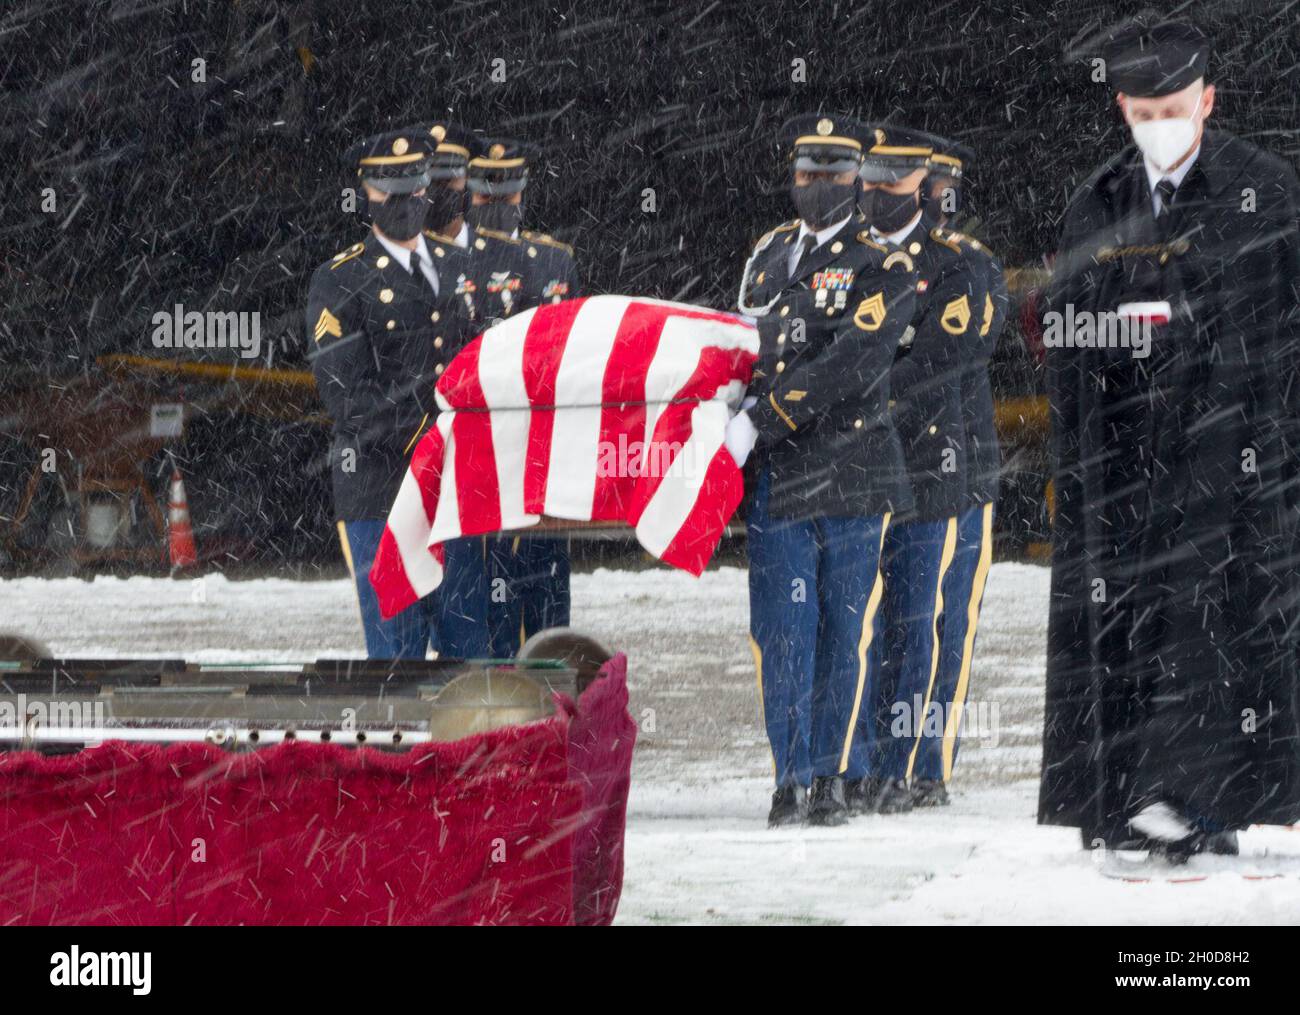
(499,166)
(893,152)
(396,161)
(823,143)
(452,144)
(951,158)
(1151,61)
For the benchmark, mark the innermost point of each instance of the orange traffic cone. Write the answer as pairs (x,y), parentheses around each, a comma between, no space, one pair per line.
(180,537)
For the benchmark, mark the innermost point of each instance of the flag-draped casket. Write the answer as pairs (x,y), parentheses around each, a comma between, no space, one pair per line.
(611,408)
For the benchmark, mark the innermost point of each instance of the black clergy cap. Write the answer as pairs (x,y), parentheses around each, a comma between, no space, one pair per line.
(1148,61)
(499,166)
(396,161)
(823,143)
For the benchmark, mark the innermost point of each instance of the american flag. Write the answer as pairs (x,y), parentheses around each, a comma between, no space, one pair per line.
(610,408)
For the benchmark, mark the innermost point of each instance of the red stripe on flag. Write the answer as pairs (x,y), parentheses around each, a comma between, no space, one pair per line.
(478,496)
(620,453)
(459,383)
(673,428)
(388,574)
(693,544)
(388,578)
(426,467)
(548,334)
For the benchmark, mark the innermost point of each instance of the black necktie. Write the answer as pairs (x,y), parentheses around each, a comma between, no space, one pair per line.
(417,270)
(806,247)
(1165,191)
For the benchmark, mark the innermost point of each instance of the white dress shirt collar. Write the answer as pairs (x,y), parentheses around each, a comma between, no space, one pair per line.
(1155,175)
(822,235)
(403,255)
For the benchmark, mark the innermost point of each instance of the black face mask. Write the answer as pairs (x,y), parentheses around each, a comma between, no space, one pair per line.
(942,202)
(401,217)
(445,207)
(887,212)
(498,216)
(824,202)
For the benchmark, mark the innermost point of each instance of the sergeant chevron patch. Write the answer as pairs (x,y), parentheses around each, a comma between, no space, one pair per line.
(956,315)
(328,324)
(870,314)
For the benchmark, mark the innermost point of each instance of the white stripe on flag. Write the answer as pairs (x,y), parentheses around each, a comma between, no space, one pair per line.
(678,355)
(501,376)
(446,521)
(675,359)
(579,387)
(675,497)
(410,528)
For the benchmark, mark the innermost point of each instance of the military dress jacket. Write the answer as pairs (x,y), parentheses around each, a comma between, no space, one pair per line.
(827,342)
(379,339)
(506,275)
(983,455)
(954,317)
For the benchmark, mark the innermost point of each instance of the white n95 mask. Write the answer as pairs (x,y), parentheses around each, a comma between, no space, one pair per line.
(1164,142)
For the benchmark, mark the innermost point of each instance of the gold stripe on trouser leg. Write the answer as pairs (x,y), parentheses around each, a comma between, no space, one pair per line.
(968,645)
(949,550)
(347,558)
(762,705)
(347,550)
(864,644)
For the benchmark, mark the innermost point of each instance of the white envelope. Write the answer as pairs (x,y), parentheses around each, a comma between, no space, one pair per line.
(1157,312)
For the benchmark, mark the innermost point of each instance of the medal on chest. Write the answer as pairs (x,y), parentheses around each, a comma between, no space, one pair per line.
(505,285)
(832,285)
(465,289)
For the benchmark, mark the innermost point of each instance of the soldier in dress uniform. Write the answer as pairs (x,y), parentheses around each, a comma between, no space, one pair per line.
(827,470)
(447,196)
(512,270)
(457,613)
(953,305)
(963,587)
(379,314)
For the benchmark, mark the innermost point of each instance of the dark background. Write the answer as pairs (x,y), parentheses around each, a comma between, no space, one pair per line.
(224,195)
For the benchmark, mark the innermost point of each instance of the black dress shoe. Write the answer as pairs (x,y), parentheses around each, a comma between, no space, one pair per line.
(929,793)
(1214,843)
(894,798)
(826,806)
(789,806)
(1176,839)
(860,794)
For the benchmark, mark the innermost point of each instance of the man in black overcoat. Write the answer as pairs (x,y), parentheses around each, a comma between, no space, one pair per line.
(1172,331)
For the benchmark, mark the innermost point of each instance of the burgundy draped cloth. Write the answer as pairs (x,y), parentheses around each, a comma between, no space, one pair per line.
(520,825)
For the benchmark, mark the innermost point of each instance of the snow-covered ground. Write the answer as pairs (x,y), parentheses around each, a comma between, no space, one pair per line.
(697,846)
